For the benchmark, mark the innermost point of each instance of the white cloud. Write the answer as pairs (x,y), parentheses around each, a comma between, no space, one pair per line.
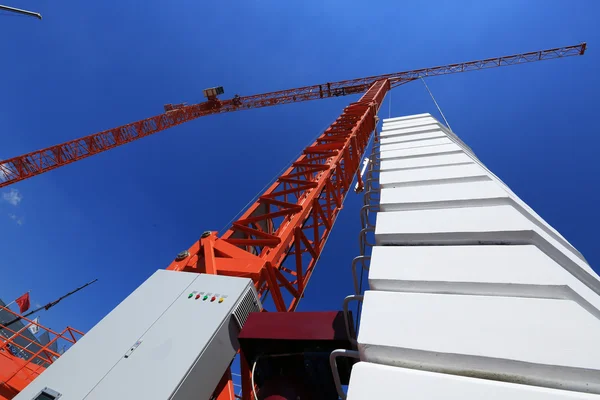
(18,220)
(14,197)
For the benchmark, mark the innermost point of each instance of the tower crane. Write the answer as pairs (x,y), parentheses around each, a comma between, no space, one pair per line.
(18,168)
(278,240)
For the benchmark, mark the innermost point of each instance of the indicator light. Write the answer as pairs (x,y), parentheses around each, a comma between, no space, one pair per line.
(213,298)
(204,298)
(197,296)
(221,300)
(190,296)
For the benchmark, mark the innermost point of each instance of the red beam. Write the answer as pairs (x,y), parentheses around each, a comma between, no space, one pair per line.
(298,227)
(301,220)
(31,164)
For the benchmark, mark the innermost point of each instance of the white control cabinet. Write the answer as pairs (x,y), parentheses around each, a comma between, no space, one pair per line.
(172,338)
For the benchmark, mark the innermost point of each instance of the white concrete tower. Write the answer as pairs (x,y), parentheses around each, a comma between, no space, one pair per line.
(472,295)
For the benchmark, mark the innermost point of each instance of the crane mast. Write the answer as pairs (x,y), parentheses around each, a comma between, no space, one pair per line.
(278,240)
(25,166)
(294,217)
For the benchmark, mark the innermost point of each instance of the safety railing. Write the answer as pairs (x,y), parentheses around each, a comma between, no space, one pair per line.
(367,214)
(25,355)
(365,243)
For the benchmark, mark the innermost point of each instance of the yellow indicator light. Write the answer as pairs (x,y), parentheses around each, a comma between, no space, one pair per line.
(221,300)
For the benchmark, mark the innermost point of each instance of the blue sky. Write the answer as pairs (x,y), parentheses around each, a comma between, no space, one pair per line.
(121,215)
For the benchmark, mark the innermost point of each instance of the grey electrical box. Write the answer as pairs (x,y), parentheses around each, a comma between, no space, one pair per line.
(172,338)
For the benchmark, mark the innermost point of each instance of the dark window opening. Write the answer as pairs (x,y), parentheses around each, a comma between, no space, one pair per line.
(44,395)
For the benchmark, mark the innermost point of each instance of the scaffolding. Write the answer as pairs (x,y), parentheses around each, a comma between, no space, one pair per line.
(22,359)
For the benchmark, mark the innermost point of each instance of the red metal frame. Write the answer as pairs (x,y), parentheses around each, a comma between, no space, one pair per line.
(278,240)
(28,165)
(16,372)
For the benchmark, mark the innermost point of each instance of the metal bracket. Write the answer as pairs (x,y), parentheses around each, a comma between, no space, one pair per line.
(362,259)
(347,300)
(362,239)
(334,370)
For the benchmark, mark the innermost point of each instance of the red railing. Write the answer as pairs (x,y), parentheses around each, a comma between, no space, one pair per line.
(23,356)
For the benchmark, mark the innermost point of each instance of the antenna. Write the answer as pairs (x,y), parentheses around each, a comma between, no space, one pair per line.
(49,305)
(19,11)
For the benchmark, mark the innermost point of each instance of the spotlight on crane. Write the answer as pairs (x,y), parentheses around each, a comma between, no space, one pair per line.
(212,93)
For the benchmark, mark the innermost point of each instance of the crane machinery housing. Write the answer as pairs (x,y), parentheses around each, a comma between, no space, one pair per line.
(220,280)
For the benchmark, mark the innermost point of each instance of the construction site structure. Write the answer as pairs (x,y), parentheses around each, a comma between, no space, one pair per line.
(472,294)
(274,245)
(23,356)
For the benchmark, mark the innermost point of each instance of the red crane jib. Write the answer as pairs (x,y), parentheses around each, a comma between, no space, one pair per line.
(35,163)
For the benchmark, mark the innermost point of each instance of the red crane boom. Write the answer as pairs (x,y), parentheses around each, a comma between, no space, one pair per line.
(35,163)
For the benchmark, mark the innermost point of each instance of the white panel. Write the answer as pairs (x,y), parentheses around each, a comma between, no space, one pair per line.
(523,271)
(457,194)
(502,224)
(406,117)
(445,148)
(430,175)
(409,123)
(409,130)
(533,216)
(494,225)
(426,161)
(464,264)
(371,381)
(508,338)
(520,203)
(410,138)
(413,144)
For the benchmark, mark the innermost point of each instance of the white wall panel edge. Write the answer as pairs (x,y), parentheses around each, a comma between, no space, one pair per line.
(471,154)
(374,381)
(550,376)
(406,117)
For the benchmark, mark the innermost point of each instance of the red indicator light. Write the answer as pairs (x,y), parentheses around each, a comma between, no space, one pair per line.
(213,298)
(197,296)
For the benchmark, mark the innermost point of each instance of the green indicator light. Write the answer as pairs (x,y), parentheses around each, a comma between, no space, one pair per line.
(190,296)
(204,298)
